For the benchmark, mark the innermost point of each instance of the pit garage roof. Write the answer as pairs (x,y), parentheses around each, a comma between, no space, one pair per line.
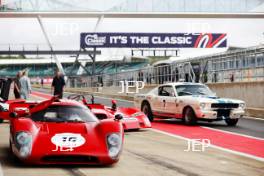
(138,6)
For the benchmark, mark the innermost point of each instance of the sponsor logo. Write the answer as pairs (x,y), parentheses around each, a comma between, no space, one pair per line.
(67,141)
(94,40)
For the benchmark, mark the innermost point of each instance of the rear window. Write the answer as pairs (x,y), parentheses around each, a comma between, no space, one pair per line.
(64,113)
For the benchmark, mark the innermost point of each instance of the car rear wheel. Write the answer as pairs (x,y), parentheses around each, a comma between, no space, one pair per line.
(146,109)
(189,116)
(231,122)
(1,120)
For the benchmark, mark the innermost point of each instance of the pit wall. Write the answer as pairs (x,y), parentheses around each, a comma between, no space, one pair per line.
(250,92)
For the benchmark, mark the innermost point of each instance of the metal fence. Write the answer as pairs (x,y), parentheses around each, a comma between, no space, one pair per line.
(150,75)
(169,73)
(237,75)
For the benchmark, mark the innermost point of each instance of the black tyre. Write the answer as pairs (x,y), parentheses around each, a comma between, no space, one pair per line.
(231,122)
(147,110)
(189,117)
(1,120)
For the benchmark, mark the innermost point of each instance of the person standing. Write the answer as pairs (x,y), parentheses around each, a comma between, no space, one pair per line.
(42,82)
(25,86)
(58,84)
(17,85)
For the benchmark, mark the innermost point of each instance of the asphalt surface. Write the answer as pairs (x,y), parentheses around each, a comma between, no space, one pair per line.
(145,153)
(252,127)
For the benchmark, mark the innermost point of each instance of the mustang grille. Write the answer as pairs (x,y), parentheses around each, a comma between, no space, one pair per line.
(225,105)
(70,159)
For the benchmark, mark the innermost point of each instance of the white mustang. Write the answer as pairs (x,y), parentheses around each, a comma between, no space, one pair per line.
(190,102)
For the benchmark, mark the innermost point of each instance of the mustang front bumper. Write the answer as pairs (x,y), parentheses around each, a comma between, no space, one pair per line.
(220,114)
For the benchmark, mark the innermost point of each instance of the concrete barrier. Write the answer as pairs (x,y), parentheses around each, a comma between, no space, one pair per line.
(250,92)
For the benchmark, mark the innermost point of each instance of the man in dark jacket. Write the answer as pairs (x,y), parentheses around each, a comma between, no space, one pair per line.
(58,84)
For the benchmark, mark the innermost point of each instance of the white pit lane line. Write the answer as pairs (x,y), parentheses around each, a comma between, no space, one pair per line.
(252,118)
(213,146)
(229,132)
(37,97)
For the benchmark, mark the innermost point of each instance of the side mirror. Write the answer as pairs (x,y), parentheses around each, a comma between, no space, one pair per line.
(13,115)
(114,106)
(118,117)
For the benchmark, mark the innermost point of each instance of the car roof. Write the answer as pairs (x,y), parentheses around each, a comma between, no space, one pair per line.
(181,83)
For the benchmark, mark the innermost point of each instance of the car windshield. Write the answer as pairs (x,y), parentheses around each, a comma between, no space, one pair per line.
(67,113)
(185,90)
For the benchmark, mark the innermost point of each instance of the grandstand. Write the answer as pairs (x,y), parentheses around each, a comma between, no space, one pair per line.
(46,67)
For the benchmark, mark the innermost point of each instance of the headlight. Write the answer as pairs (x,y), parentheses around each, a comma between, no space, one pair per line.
(113,139)
(242,105)
(24,151)
(202,105)
(24,141)
(23,138)
(114,143)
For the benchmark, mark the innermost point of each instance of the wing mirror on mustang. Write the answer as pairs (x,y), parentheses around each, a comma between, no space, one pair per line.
(118,117)
(13,115)
(114,106)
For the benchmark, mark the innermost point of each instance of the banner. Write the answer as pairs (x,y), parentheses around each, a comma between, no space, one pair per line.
(153,40)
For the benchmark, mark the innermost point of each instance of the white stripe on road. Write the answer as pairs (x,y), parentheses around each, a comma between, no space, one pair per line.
(213,146)
(37,97)
(229,132)
(252,118)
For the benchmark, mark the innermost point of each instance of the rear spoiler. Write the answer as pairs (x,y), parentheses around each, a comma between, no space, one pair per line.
(43,105)
(32,107)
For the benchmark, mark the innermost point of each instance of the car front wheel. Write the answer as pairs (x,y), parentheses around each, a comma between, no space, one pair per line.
(189,116)
(146,109)
(231,122)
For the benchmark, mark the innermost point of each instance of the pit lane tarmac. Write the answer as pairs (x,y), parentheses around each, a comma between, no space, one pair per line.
(146,153)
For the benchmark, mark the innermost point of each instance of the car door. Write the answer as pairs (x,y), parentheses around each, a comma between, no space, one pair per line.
(166,99)
(170,100)
(180,100)
(157,101)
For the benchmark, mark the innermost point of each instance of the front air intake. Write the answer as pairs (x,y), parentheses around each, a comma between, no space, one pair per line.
(70,159)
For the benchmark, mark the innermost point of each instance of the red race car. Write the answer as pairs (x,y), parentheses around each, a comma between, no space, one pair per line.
(133,119)
(64,132)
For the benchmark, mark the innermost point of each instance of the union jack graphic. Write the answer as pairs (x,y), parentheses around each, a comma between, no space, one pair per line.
(211,41)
